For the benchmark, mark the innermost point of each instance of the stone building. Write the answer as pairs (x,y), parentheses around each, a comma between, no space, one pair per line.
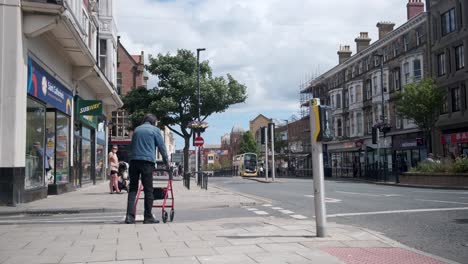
(355,92)
(448,39)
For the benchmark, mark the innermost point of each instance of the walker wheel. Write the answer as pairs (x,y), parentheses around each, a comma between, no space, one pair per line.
(172,215)
(164,216)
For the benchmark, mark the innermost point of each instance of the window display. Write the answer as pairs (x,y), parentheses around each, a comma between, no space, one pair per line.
(36,156)
(62,149)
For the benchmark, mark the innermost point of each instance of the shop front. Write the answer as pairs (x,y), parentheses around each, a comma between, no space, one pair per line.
(455,143)
(86,147)
(346,159)
(378,160)
(408,150)
(49,105)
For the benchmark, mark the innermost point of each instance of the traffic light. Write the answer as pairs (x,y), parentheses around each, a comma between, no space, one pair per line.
(374,135)
(270,127)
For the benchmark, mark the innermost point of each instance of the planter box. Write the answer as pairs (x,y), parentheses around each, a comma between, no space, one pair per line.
(435,179)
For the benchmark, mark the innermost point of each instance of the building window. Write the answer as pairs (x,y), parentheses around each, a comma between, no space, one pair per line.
(338,100)
(398,119)
(396,79)
(441,64)
(385,55)
(347,127)
(417,69)
(396,49)
(351,120)
(448,22)
(460,57)
(338,128)
(119,83)
(369,122)
(456,99)
(406,72)
(120,124)
(359,123)
(351,95)
(419,37)
(405,42)
(102,54)
(346,99)
(358,94)
(444,107)
(385,82)
(374,80)
(368,89)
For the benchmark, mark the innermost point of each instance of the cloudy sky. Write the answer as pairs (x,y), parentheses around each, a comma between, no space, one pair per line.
(272,46)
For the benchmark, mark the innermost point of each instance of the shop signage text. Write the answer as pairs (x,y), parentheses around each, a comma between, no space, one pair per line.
(47,89)
(454,138)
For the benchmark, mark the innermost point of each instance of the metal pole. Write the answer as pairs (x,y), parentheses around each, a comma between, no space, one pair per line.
(317,170)
(197,161)
(273,169)
(266,153)
(383,114)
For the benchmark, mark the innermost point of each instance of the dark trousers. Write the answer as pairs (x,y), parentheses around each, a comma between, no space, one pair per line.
(145,169)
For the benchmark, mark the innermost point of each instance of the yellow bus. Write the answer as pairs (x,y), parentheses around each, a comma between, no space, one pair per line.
(246,164)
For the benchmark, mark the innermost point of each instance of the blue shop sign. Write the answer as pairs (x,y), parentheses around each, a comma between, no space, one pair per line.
(47,89)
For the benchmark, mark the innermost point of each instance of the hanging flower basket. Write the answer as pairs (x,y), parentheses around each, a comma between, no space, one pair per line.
(198,126)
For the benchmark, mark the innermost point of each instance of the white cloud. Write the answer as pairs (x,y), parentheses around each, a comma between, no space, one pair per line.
(270,45)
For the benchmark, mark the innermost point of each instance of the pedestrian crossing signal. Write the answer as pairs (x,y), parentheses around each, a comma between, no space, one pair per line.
(321,124)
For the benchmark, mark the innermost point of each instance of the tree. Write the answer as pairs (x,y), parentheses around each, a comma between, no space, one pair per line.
(248,144)
(420,102)
(175,100)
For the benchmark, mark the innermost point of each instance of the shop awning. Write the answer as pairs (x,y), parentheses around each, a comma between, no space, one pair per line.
(355,149)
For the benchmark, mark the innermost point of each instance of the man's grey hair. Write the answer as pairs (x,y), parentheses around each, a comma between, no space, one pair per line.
(150,118)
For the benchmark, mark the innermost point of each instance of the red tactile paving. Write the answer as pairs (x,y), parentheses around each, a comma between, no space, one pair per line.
(380,256)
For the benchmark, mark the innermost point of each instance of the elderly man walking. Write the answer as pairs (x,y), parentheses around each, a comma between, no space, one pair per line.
(146,138)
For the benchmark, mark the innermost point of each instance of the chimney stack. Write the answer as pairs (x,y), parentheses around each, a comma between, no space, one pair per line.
(414,8)
(344,54)
(385,28)
(362,42)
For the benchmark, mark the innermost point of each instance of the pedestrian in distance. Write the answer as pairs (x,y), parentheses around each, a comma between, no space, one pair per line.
(146,138)
(430,157)
(114,170)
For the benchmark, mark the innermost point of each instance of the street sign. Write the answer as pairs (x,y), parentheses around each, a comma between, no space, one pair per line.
(198,142)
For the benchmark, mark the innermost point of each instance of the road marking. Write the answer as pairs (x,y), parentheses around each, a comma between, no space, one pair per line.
(454,192)
(392,195)
(327,199)
(299,216)
(286,212)
(400,211)
(438,201)
(260,212)
(252,209)
(365,194)
(267,205)
(277,208)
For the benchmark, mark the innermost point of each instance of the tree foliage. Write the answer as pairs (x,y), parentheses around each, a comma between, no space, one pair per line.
(420,102)
(175,102)
(248,144)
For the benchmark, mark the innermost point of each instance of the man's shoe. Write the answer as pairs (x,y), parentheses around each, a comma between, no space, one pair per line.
(150,221)
(129,220)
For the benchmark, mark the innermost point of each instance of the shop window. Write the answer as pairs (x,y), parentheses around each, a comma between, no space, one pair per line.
(50,146)
(460,57)
(36,161)
(62,149)
(456,99)
(441,64)
(448,22)
(417,70)
(86,156)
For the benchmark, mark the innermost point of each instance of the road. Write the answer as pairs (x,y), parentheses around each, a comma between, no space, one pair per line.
(431,220)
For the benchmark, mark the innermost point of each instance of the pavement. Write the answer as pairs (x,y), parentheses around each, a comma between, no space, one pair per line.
(257,239)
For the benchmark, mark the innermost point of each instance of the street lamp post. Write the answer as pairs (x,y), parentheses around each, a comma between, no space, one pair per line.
(197,158)
(383,127)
